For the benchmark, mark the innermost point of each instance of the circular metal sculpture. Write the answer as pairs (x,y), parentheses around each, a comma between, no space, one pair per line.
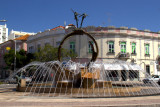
(80,32)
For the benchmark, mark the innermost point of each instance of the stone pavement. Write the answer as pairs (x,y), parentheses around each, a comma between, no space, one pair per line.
(10,98)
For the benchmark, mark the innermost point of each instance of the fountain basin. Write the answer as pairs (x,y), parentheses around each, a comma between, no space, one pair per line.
(83,92)
(103,84)
(64,84)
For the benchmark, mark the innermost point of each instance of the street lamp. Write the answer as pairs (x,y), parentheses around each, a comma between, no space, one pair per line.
(15,58)
(3,20)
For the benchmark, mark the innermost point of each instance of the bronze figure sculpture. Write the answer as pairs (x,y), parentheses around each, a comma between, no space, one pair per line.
(80,32)
(76,17)
(84,15)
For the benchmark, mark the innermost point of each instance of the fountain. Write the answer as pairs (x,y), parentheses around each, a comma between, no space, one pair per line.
(114,78)
(55,79)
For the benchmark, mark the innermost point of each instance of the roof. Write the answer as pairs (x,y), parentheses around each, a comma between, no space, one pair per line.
(25,37)
(71,25)
(17,33)
(58,27)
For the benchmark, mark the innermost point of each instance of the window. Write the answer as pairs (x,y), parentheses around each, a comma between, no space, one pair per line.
(90,47)
(72,46)
(111,46)
(123,47)
(159,50)
(18,47)
(38,47)
(31,49)
(146,49)
(16,36)
(133,48)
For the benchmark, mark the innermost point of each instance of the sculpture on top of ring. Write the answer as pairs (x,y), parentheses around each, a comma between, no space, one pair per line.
(79,31)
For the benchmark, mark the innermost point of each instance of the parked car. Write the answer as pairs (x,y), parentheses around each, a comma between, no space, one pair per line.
(28,79)
(10,81)
(154,78)
(14,81)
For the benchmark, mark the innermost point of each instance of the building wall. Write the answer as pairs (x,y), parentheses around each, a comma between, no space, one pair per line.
(3,33)
(47,37)
(15,34)
(3,46)
(11,43)
(140,40)
(103,35)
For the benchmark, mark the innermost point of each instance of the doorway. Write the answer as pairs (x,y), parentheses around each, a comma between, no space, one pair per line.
(148,69)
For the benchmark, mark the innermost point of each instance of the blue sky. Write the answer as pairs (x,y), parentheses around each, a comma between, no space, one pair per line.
(39,15)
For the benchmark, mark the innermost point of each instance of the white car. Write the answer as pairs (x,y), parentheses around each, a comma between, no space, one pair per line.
(28,79)
(154,78)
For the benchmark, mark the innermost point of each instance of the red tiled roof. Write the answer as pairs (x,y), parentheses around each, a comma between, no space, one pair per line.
(71,25)
(25,37)
(58,27)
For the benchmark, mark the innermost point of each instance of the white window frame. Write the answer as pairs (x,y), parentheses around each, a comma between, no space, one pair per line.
(112,47)
(124,45)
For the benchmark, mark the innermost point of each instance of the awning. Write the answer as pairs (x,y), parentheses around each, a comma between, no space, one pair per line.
(122,67)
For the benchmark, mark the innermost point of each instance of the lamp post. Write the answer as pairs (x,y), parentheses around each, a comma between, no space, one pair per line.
(15,58)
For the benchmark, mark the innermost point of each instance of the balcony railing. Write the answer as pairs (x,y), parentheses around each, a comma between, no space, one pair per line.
(123,55)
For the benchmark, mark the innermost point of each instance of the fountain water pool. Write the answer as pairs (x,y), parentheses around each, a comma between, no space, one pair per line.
(109,79)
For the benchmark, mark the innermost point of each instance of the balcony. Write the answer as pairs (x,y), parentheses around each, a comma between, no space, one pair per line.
(123,55)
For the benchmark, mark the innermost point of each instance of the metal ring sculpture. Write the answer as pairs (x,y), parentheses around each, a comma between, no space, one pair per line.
(80,32)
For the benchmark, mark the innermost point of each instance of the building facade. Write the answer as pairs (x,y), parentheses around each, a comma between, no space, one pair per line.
(15,34)
(52,37)
(128,44)
(3,33)
(18,44)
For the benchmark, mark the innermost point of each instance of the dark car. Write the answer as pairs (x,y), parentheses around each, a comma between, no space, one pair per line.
(158,82)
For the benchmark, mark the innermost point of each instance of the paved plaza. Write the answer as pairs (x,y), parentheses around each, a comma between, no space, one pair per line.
(10,98)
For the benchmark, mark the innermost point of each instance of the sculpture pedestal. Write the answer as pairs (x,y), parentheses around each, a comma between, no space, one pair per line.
(89,78)
(88,83)
(23,83)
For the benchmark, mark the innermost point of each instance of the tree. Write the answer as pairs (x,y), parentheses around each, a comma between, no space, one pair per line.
(22,58)
(49,53)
